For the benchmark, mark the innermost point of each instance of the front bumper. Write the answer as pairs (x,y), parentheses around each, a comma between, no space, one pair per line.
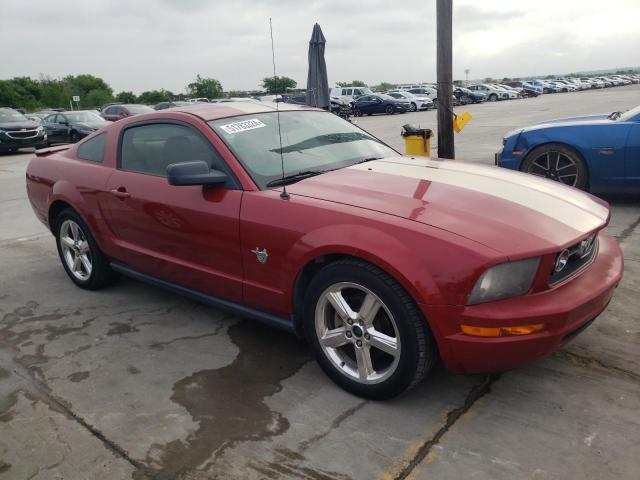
(8,142)
(564,310)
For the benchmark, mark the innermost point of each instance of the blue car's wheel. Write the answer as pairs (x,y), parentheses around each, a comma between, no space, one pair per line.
(557,162)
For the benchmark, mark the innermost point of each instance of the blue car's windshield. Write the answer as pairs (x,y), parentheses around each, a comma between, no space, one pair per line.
(629,114)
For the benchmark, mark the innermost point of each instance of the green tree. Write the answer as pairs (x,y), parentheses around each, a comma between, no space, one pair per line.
(352,83)
(126,97)
(152,97)
(488,80)
(205,87)
(275,85)
(96,98)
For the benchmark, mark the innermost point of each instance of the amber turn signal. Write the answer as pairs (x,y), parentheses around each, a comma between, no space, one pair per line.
(501,331)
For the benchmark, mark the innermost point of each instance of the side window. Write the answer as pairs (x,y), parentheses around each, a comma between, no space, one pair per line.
(50,119)
(93,149)
(349,91)
(108,111)
(357,91)
(151,148)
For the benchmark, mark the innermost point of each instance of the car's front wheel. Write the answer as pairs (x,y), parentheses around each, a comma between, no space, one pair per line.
(413,107)
(493,97)
(366,332)
(557,162)
(389,110)
(81,258)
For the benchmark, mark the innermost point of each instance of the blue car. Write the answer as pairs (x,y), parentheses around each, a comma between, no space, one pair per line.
(595,152)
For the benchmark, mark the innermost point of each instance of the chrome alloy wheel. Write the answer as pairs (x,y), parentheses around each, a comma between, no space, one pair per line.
(75,250)
(556,166)
(357,333)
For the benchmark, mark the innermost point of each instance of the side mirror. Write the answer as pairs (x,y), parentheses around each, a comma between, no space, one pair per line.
(194,173)
(64,122)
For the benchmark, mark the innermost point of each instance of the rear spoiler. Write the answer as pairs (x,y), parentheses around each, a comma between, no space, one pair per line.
(43,152)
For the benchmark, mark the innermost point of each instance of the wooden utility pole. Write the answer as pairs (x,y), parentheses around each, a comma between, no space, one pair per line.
(444,15)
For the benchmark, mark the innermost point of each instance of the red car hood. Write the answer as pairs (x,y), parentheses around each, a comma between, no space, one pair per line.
(514,213)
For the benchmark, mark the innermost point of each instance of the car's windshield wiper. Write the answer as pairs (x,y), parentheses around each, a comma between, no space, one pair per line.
(614,115)
(286,180)
(368,159)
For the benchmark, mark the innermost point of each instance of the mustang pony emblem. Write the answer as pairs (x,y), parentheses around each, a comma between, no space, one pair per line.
(261,254)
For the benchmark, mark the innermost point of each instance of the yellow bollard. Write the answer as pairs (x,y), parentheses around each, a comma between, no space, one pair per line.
(417,141)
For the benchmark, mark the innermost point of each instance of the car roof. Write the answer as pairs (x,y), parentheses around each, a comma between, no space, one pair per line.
(214,111)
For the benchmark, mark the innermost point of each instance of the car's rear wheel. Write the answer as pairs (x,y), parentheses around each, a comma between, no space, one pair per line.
(366,332)
(75,138)
(81,258)
(389,110)
(357,112)
(557,162)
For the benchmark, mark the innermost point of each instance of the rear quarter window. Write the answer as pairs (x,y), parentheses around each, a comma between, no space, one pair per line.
(93,149)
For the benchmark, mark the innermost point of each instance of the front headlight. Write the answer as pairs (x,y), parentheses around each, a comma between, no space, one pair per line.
(505,280)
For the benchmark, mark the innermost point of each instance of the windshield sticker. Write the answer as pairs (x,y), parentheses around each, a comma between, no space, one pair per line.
(242,126)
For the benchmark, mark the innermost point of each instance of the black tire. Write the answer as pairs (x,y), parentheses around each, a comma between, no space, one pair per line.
(388,110)
(551,149)
(357,112)
(413,107)
(101,273)
(418,350)
(75,138)
(493,97)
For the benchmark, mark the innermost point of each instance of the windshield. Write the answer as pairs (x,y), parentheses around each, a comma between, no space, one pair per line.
(138,109)
(89,118)
(629,114)
(385,96)
(311,141)
(11,116)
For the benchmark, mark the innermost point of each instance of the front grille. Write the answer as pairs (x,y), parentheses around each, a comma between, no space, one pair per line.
(580,256)
(22,134)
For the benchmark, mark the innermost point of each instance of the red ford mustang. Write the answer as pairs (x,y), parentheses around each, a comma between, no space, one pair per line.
(382,262)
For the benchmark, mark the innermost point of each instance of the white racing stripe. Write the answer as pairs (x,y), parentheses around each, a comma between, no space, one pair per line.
(571,207)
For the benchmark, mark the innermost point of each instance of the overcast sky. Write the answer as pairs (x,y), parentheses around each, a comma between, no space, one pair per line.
(148,44)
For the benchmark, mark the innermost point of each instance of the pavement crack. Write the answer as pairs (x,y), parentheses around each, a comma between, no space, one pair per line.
(334,424)
(60,405)
(476,393)
(161,345)
(626,233)
(584,361)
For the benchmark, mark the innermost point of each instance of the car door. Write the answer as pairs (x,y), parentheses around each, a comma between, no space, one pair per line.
(49,124)
(64,128)
(364,104)
(378,105)
(187,235)
(57,129)
(632,156)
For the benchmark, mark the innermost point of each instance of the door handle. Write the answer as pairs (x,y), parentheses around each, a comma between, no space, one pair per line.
(120,193)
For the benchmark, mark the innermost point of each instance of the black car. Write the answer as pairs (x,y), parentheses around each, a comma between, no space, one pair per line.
(466,96)
(69,127)
(379,103)
(338,106)
(17,131)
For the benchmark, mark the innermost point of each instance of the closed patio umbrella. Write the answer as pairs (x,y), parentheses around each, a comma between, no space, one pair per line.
(317,83)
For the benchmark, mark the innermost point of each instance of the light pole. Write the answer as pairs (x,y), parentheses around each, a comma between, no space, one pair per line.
(444,15)
(466,73)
